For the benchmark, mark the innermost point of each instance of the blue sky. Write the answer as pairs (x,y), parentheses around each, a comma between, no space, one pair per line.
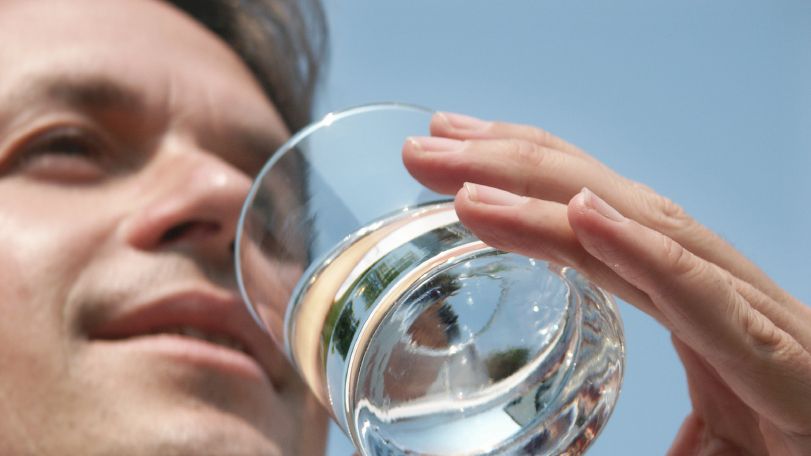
(709,103)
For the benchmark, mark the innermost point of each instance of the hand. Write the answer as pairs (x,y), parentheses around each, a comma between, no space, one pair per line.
(745,343)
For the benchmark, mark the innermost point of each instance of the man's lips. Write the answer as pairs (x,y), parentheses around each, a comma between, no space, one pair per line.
(202,326)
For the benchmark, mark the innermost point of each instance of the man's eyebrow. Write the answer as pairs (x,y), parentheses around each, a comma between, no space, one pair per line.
(87,92)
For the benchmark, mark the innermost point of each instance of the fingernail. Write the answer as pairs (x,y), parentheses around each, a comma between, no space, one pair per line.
(435,144)
(463,122)
(600,206)
(494,196)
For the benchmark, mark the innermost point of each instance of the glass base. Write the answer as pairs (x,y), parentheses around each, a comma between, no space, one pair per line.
(433,343)
(491,353)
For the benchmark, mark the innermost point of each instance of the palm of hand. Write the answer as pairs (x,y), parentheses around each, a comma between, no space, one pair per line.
(720,423)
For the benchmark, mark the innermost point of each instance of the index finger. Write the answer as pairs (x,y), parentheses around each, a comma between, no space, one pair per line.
(460,126)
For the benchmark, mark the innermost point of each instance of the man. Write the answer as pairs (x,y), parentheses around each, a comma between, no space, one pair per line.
(128,136)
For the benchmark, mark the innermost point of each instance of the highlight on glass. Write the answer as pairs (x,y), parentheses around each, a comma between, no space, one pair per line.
(414,334)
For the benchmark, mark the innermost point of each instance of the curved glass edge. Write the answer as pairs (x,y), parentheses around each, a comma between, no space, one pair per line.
(577,440)
(566,343)
(327,120)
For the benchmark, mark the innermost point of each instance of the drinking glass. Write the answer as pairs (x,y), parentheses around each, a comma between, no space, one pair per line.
(414,334)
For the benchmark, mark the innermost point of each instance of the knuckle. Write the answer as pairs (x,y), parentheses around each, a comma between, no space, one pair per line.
(526,153)
(767,341)
(528,159)
(540,136)
(679,260)
(499,129)
(661,213)
(672,214)
(529,133)
(679,265)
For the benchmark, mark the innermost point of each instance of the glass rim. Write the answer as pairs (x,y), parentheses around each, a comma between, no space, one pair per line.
(325,121)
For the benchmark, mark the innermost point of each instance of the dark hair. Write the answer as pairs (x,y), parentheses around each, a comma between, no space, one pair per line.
(283,42)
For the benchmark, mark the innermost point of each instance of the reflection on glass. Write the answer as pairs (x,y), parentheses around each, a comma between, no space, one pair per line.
(418,338)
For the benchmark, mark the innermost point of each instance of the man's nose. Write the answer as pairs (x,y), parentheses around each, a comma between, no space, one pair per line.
(191,202)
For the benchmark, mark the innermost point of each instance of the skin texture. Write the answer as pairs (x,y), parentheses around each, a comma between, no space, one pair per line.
(745,343)
(128,134)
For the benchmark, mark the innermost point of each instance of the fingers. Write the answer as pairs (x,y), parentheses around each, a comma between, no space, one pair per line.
(748,333)
(518,166)
(701,305)
(538,229)
(725,418)
(531,162)
(531,167)
(459,126)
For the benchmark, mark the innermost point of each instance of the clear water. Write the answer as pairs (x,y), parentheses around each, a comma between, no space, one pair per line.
(439,345)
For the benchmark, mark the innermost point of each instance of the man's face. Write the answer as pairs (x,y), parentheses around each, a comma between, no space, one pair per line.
(127,137)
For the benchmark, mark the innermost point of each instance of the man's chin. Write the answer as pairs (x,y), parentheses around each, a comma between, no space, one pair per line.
(149,404)
(216,412)
(119,427)
(199,432)
(168,377)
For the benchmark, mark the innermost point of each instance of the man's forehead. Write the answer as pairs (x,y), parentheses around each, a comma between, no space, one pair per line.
(150,45)
(91,91)
(100,92)
(162,72)
(36,91)
(76,33)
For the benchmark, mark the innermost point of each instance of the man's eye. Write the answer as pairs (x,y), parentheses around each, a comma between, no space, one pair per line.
(65,153)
